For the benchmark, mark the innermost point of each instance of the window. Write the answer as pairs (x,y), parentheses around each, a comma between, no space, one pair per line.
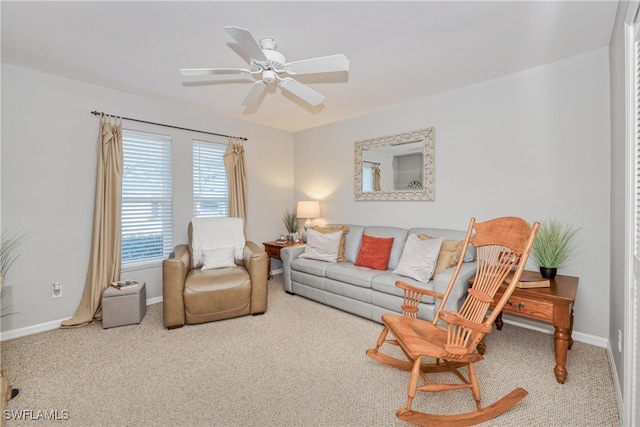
(210,191)
(147,201)
(367,177)
(636,149)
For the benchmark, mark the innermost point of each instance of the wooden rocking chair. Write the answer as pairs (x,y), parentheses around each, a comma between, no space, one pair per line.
(502,245)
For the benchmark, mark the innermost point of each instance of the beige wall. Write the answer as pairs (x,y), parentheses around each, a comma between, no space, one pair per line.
(534,144)
(48,175)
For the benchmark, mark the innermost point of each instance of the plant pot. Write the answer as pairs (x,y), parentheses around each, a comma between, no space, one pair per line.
(548,272)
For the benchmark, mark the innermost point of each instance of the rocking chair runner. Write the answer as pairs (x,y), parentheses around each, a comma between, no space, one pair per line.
(502,244)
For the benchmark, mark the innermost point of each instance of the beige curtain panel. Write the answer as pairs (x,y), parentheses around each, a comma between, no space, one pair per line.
(236,179)
(106,244)
(376,178)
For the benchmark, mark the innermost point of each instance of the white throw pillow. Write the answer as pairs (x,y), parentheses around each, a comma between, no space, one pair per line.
(218,258)
(214,233)
(419,258)
(322,246)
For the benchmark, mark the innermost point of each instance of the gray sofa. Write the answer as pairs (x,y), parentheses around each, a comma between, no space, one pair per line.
(366,292)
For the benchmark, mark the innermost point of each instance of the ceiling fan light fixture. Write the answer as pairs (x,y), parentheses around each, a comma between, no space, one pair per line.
(268,43)
(268,76)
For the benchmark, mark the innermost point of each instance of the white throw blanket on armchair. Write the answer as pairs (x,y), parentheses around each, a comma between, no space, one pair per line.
(215,233)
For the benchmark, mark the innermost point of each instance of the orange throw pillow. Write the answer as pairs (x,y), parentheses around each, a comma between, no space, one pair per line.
(374,252)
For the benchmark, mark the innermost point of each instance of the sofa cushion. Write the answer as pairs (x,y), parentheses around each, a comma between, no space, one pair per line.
(399,238)
(374,252)
(352,240)
(347,272)
(322,246)
(450,252)
(386,284)
(310,266)
(343,240)
(447,234)
(419,258)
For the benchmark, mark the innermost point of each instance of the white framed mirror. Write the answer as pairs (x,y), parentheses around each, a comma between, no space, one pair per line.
(395,167)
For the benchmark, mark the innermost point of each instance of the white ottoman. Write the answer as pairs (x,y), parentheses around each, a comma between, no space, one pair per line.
(123,307)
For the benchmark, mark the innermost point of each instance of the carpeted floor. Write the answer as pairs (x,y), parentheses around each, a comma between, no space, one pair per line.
(300,364)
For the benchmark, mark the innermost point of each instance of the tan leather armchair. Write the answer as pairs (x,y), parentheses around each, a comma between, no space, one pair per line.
(192,295)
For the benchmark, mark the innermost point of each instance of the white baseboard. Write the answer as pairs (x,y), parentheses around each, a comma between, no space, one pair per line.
(616,382)
(577,336)
(155,300)
(30,330)
(48,326)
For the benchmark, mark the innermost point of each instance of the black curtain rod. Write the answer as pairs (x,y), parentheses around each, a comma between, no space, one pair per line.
(373,163)
(98,113)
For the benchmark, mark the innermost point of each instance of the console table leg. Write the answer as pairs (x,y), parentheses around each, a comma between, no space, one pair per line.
(561,343)
(499,323)
(482,347)
(571,329)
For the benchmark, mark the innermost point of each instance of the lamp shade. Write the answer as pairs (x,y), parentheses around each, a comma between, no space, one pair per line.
(308,209)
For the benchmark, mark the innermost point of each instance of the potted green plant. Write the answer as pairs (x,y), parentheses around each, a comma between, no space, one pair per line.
(9,243)
(554,246)
(290,220)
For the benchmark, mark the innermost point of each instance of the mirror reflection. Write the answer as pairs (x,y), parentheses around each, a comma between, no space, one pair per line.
(395,167)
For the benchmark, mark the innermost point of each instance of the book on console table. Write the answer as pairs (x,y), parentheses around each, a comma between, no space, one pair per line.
(124,284)
(530,279)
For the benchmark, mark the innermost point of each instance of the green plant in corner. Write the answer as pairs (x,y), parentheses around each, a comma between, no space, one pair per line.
(555,244)
(290,220)
(9,243)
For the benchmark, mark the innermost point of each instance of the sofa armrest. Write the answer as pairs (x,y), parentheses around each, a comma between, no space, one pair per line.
(288,254)
(174,274)
(255,261)
(459,290)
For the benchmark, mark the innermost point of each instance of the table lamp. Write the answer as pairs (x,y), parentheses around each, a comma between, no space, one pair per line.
(308,209)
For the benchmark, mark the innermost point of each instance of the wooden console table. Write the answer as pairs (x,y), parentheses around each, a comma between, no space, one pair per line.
(273,251)
(552,305)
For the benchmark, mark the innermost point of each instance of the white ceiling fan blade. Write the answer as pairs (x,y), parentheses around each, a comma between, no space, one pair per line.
(211,71)
(302,91)
(254,93)
(324,64)
(244,38)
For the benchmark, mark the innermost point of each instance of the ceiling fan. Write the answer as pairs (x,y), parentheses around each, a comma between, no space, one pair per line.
(271,66)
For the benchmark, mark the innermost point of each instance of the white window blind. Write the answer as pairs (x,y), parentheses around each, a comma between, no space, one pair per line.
(210,190)
(147,199)
(367,178)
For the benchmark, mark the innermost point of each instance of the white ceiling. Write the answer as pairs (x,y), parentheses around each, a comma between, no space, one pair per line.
(398,51)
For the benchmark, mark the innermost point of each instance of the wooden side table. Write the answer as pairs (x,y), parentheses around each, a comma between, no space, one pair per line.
(273,251)
(552,305)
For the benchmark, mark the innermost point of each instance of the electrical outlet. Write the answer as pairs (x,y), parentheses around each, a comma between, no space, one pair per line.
(56,290)
(619,340)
